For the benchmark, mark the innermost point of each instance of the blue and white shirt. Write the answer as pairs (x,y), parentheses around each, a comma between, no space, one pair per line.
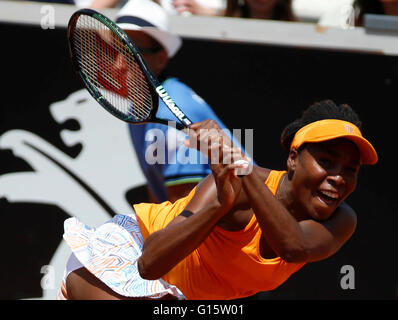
(163,157)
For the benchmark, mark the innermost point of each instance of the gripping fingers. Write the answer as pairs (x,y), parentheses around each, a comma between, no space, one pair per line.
(242,167)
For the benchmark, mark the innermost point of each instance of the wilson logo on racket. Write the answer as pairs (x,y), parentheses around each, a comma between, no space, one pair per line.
(170,103)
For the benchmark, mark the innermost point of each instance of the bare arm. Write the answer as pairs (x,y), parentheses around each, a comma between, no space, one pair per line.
(183,235)
(294,241)
(303,241)
(214,197)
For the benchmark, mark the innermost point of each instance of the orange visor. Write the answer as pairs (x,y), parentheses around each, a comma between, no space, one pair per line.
(329,129)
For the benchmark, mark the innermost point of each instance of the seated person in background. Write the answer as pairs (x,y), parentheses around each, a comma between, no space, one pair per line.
(257,9)
(146,23)
(196,7)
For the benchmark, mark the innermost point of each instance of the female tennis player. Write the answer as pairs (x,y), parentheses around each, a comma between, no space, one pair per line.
(231,237)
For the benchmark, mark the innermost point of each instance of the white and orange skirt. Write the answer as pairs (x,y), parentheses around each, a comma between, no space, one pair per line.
(111,252)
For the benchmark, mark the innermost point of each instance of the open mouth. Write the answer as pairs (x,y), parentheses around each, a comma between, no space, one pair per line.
(328,197)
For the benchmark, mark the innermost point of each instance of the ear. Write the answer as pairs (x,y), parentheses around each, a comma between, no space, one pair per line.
(292,162)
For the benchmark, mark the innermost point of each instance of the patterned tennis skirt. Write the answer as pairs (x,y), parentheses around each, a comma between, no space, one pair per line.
(111,252)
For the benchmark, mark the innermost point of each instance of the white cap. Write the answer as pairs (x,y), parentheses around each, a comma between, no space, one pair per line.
(149,17)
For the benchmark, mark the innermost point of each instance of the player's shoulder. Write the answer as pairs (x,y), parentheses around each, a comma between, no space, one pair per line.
(346,211)
(263,173)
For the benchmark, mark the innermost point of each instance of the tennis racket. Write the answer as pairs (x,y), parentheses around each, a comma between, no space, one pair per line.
(114,71)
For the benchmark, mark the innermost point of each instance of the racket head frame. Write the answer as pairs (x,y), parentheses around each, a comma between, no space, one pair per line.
(156,89)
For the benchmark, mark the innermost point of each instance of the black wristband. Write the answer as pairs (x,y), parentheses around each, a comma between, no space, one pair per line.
(186,213)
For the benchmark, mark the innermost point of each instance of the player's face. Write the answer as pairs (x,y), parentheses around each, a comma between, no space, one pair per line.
(325,174)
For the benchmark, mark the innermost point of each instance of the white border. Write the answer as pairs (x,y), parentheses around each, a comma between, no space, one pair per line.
(296,34)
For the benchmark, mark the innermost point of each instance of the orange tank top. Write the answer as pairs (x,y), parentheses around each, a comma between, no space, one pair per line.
(228,264)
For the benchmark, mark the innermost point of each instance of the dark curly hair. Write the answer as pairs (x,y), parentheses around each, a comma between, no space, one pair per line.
(325,109)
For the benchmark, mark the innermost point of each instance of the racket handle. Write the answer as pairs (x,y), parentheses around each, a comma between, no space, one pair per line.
(180,126)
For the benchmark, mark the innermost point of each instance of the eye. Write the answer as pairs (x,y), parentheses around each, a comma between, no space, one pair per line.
(325,162)
(352,169)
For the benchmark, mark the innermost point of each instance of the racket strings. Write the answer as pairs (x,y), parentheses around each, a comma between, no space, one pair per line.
(111,69)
